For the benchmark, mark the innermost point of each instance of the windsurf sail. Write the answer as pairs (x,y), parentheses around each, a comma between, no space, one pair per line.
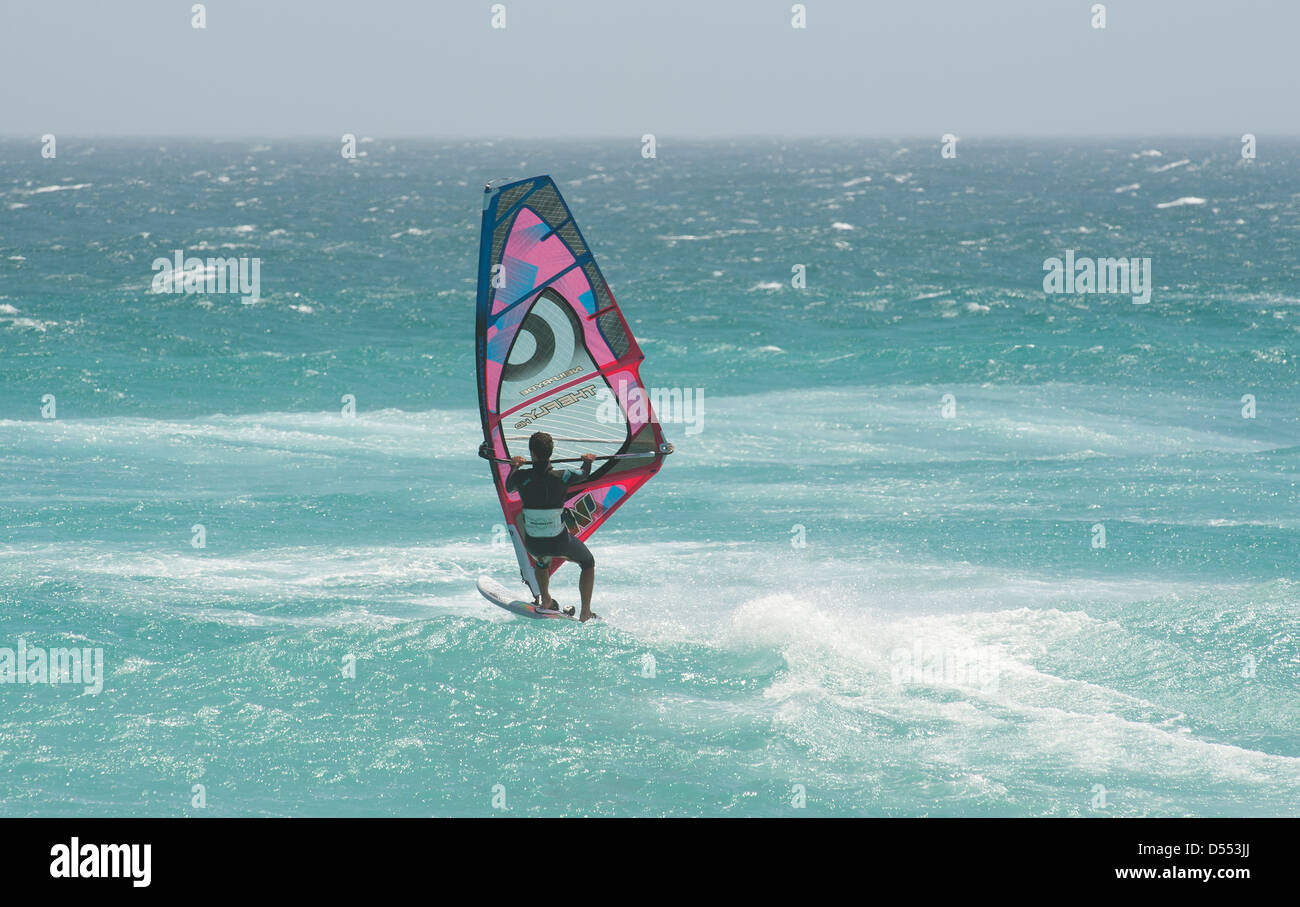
(555,354)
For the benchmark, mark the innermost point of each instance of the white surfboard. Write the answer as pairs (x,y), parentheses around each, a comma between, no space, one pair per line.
(500,596)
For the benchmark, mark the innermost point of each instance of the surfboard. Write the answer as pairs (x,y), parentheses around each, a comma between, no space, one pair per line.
(554,353)
(500,596)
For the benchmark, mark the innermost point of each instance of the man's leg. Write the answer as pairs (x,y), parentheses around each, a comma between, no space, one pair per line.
(578,553)
(544,585)
(585,583)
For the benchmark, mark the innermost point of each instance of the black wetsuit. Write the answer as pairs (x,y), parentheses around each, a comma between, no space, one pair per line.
(544,493)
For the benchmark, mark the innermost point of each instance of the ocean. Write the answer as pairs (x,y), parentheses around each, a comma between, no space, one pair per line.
(933,542)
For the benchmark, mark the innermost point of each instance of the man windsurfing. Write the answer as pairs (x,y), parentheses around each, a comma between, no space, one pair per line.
(544,491)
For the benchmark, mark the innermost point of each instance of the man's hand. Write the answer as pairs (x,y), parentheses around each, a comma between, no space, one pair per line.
(589,457)
(516,462)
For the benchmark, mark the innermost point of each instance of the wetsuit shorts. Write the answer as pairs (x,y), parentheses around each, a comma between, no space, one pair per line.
(563,545)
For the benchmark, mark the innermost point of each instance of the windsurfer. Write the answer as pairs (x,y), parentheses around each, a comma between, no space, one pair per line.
(544,491)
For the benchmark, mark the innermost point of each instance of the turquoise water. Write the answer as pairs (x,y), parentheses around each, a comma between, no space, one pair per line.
(821,518)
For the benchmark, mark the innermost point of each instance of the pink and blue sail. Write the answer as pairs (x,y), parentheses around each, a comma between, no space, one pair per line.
(555,354)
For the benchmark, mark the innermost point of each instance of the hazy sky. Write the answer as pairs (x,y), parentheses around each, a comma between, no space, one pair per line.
(676,68)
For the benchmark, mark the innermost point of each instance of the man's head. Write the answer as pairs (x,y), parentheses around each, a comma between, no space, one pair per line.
(541,446)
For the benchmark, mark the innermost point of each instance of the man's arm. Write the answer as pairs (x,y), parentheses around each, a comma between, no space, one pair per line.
(513,476)
(570,476)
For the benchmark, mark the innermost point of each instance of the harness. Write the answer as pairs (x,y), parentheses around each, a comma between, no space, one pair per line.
(543,495)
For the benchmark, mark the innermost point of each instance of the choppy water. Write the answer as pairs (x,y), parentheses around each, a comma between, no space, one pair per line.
(1163,667)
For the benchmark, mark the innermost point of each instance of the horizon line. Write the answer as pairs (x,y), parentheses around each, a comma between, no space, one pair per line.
(636,139)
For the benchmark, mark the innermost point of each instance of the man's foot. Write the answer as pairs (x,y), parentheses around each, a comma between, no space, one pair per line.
(589,615)
(549,605)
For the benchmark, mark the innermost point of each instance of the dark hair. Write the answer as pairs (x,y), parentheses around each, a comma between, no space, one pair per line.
(541,446)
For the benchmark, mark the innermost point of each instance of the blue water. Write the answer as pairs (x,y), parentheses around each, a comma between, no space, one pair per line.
(819,519)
